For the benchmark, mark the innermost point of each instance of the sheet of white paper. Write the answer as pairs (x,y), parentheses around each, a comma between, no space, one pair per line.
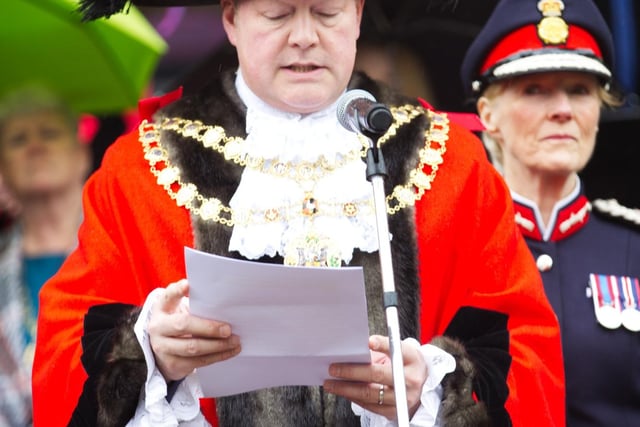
(293,322)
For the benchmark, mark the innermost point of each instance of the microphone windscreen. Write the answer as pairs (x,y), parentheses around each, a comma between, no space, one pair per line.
(347,104)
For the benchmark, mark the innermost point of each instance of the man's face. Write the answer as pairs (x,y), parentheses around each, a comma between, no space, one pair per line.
(296,55)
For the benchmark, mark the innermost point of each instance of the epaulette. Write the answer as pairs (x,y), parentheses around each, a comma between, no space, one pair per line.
(611,209)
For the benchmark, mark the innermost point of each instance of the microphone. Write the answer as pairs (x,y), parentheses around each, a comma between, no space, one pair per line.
(359,112)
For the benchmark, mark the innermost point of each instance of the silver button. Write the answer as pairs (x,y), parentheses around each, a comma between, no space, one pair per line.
(544,262)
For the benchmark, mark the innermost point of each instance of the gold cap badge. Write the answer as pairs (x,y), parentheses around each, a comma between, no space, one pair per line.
(552,29)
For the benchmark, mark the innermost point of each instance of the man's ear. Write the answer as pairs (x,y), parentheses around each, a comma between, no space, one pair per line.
(228,19)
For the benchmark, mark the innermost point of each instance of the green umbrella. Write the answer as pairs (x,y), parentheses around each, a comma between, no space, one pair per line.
(99,67)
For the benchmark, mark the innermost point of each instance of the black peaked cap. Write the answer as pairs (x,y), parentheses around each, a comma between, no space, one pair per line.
(510,15)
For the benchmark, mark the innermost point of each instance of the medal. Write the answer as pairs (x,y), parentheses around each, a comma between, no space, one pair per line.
(630,289)
(606,300)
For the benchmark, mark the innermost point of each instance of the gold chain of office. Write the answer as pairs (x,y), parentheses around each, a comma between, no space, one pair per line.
(186,194)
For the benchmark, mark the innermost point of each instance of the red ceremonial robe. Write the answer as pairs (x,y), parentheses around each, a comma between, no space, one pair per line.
(477,281)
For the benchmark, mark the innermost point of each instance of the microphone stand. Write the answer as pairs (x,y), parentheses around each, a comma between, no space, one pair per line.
(376,173)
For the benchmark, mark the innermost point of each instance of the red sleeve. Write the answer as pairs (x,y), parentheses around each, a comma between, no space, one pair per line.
(470,214)
(104,269)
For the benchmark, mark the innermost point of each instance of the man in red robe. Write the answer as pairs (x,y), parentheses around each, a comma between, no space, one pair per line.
(223,170)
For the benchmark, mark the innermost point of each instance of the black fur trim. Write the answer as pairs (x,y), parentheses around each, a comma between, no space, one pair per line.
(485,337)
(120,383)
(114,363)
(458,408)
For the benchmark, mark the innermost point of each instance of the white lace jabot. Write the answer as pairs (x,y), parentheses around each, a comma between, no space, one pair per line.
(269,206)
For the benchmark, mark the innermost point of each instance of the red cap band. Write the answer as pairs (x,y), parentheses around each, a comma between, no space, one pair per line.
(526,39)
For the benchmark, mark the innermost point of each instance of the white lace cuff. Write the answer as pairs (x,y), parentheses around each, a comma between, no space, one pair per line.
(153,408)
(439,363)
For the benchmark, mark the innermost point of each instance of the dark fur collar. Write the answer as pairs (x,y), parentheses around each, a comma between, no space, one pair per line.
(219,104)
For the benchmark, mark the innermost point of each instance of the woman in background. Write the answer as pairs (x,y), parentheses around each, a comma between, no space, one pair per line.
(43,166)
(541,73)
